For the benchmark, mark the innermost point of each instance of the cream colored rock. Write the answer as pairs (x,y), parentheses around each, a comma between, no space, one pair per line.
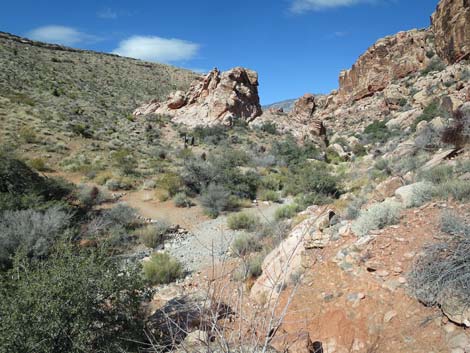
(217,98)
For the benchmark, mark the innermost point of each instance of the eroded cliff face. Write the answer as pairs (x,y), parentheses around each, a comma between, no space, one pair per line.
(451,26)
(217,98)
(390,58)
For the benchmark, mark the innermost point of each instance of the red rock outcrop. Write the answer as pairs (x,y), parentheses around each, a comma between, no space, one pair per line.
(390,58)
(451,26)
(217,98)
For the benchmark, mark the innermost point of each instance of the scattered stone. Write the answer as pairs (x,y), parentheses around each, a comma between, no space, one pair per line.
(389,316)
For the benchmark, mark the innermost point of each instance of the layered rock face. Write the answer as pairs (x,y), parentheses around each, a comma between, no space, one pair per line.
(218,98)
(390,58)
(451,26)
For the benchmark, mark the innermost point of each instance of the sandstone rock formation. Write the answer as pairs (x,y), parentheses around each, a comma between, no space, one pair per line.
(451,26)
(217,98)
(388,59)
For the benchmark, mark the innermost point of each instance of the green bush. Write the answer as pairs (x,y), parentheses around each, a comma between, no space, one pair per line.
(436,64)
(125,161)
(242,220)
(27,135)
(182,200)
(457,189)
(378,131)
(34,231)
(289,153)
(269,127)
(71,302)
(122,214)
(39,164)
(162,269)
(437,175)
(315,178)
(215,199)
(377,216)
(287,211)
(90,196)
(171,183)
(269,195)
(245,244)
(22,188)
(430,112)
(440,275)
(153,235)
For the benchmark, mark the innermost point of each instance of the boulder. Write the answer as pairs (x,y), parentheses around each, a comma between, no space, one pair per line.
(456,309)
(387,188)
(406,194)
(451,27)
(217,98)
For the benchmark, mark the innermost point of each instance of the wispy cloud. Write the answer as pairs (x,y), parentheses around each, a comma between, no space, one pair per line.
(301,6)
(152,48)
(108,14)
(60,35)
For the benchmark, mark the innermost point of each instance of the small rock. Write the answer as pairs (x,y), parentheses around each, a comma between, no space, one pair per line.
(383,273)
(389,316)
(459,341)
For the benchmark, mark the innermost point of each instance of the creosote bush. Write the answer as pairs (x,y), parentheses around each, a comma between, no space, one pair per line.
(376,217)
(153,235)
(441,273)
(215,199)
(242,220)
(286,211)
(182,200)
(245,244)
(162,269)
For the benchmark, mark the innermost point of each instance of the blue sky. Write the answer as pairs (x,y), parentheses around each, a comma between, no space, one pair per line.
(297,46)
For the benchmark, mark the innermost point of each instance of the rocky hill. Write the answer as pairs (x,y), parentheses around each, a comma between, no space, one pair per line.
(57,91)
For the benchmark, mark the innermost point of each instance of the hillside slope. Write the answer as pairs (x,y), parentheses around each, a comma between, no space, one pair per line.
(57,91)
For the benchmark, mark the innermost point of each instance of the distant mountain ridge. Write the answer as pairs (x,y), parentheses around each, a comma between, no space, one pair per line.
(287,105)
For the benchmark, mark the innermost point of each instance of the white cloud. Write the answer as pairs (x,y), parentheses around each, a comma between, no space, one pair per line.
(159,49)
(60,35)
(108,14)
(300,6)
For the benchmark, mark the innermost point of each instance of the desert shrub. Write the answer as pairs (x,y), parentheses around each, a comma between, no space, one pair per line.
(245,244)
(90,196)
(22,188)
(286,211)
(421,193)
(269,195)
(276,231)
(436,64)
(438,174)
(458,134)
(215,199)
(289,153)
(453,224)
(305,200)
(377,216)
(353,209)
(312,178)
(27,135)
(359,150)
(404,165)
(269,127)
(125,161)
(430,112)
(441,273)
(34,231)
(153,235)
(242,220)
(457,189)
(251,268)
(182,200)
(383,165)
(171,183)
(378,131)
(273,181)
(75,302)
(121,214)
(162,269)
(39,164)
(211,135)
